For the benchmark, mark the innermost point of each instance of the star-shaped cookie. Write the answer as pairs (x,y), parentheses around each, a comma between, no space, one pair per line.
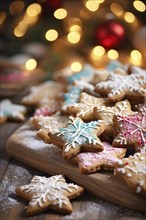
(78,136)
(45,124)
(118,86)
(91,162)
(53,192)
(9,110)
(132,171)
(132,130)
(107,114)
(84,109)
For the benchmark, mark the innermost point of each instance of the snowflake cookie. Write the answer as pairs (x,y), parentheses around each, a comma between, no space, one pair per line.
(8,110)
(53,192)
(84,109)
(107,114)
(78,136)
(132,171)
(90,162)
(118,86)
(132,130)
(45,124)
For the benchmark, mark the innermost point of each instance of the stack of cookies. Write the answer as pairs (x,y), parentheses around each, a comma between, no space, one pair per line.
(97,118)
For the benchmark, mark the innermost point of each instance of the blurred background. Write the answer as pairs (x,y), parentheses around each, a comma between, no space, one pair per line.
(39,37)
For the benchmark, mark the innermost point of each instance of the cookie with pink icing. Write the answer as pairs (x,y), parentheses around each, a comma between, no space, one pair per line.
(78,136)
(132,131)
(9,110)
(45,124)
(90,162)
(49,193)
(119,86)
(132,171)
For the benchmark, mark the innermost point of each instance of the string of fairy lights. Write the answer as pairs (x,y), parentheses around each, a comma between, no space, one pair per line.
(74,27)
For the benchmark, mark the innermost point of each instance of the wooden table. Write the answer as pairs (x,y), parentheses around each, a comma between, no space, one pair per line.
(15,173)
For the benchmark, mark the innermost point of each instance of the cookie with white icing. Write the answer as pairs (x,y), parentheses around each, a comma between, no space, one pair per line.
(84,108)
(9,110)
(78,136)
(40,95)
(118,86)
(90,162)
(45,124)
(132,171)
(49,193)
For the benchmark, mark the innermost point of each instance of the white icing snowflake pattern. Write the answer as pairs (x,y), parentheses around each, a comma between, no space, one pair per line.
(119,85)
(53,190)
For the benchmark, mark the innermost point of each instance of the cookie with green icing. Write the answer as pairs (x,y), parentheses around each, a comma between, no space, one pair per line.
(78,136)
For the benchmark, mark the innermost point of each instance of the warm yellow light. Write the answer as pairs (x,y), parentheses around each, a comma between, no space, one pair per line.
(75,28)
(73,37)
(30,64)
(112,54)
(116,9)
(129,17)
(98,51)
(51,35)
(2,17)
(140,6)
(60,13)
(76,66)
(92,5)
(30,20)
(16,7)
(33,10)
(135,55)
(18,32)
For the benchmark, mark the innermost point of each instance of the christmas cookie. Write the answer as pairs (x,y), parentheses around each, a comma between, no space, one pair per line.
(49,193)
(45,124)
(11,111)
(91,162)
(132,171)
(84,109)
(107,114)
(132,130)
(118,86)
(78,136)
(47,90)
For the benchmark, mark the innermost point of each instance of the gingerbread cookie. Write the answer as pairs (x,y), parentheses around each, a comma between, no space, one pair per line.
(47,90)
(45,124)
(90,162)
(118,86)
(107,114)
(84,109)
(49,193)
(9,110)
(132,171)
(78,136)
(132,131)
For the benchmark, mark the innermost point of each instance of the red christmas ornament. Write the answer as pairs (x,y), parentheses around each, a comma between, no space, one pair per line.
(110,34)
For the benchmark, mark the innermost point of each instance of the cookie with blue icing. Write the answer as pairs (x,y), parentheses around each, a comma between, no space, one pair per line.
(9,110)
(85,74)
(78,136)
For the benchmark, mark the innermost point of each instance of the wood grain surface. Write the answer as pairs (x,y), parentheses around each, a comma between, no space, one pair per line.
(26,147)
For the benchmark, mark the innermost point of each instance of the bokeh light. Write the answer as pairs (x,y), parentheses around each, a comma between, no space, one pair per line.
(60,13)
(30,64)
(51,35)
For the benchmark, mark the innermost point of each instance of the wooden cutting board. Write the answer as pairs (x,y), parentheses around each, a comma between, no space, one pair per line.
(26,147)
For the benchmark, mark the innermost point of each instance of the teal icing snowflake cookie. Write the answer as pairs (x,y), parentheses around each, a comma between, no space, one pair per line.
(8,110)
(78,136)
